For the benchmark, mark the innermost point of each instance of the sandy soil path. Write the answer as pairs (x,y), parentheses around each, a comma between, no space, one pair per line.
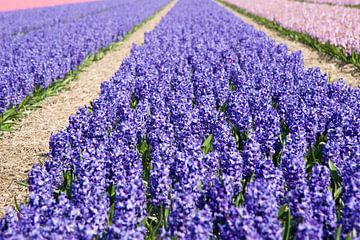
(28,143)
(312,58)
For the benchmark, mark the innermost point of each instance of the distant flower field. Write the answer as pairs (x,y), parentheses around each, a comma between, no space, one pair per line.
(329,24)
(340,2)
(6,5)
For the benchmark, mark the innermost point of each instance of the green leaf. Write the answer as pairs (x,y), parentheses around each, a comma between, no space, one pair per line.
(338,232)
(284,217)
(194,102)
(5,128)
(24,184)
(207,144)
(239,199)
(334,173)
(199,185)
(66,185)
(332,166)
(352,234)
(143,147)
(208,140)
(134,102)
(282,211)
(286,233)
(232,87)
(112,195)
(337,193)
(17,207)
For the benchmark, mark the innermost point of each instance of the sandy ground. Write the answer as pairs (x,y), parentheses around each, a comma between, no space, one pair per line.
(28,143)
(312,58)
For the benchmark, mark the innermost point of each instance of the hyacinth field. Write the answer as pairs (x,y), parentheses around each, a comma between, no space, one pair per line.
(209,130)
(37,51)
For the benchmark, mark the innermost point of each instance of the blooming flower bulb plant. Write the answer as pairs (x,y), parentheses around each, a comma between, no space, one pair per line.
(209,130)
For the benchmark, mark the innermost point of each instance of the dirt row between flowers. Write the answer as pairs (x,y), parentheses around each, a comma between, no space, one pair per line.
(312,58)
(28,143)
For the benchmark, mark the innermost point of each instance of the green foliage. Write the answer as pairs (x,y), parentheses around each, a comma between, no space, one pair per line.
(157,219)
(336,188)
(274,103)
(68,177)
(314,154)
(354,6)
(23,184)
(134,101)
(240,137)
(194,102)
(352,235)
(276,158)
(285,130)
(221,107)
(338,232)
(285,218)
(17,206)
(207,145)
(240,198)
(231,85)
(156,216)
(112,195)
(144,149)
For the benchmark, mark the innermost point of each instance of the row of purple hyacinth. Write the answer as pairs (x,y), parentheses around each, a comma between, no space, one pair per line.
(45,54)
(208,130)
(20,22)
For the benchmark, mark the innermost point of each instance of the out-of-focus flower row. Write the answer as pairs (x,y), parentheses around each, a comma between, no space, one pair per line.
(23,21)
(36,50)
(207,131)
(329,24)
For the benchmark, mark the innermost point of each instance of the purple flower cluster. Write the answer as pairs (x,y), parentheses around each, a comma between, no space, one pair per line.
(35,51)
(207,131)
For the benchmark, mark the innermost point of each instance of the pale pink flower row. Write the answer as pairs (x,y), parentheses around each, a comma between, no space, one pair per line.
(339,2)
(334,24)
